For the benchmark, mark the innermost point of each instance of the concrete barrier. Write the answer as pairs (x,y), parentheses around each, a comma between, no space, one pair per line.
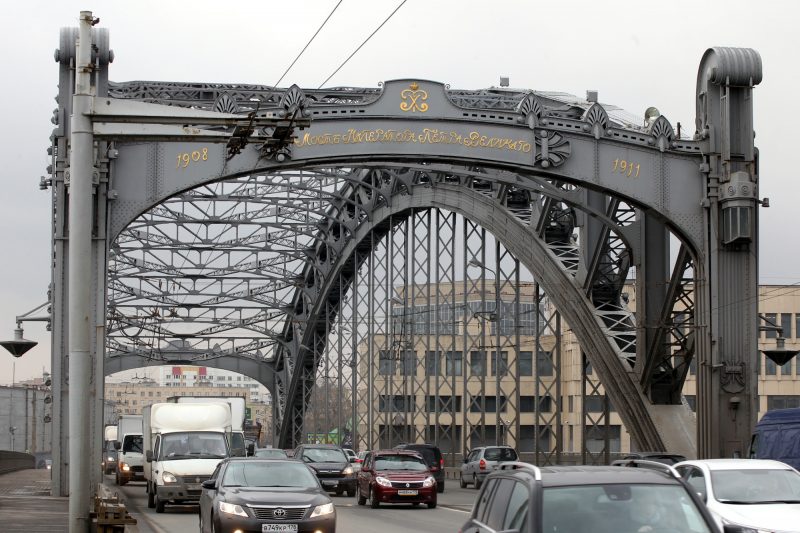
(13,461)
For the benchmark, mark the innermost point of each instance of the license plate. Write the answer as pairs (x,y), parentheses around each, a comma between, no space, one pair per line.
(279,528)
(330,483)
(407,492)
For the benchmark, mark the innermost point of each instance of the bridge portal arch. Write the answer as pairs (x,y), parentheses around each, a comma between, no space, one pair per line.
(582,152)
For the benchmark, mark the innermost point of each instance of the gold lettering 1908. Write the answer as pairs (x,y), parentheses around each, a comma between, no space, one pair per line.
(185,158)
(627,168)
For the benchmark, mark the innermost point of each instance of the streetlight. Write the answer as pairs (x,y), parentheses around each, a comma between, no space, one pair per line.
(494,317)
(779,355)
(19,346)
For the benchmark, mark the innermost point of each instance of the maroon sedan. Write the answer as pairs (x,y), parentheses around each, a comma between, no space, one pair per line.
(395,476)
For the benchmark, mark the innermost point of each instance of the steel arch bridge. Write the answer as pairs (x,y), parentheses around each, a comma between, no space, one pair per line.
(287,234)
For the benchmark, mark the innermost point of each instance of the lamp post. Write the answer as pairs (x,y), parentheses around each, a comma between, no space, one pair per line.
(493,317)
(780,355)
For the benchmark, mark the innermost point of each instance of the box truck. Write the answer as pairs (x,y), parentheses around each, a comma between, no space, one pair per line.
(183,444)
(777,436)
(129,447)
(237,403)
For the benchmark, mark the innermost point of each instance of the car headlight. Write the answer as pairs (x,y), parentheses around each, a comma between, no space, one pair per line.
(110,459)
(429,481)
(383,482)
(231,508)
(169,478)
(348,471)
(322,510)
(125,466)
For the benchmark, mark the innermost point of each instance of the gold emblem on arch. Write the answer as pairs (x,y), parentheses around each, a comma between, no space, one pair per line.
(413,99)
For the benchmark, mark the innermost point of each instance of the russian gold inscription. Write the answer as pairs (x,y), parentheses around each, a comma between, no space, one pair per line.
(184,159)
(473,139)
(413,99)
(627,168)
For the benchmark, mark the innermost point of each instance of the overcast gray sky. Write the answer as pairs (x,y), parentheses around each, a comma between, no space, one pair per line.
(635,53)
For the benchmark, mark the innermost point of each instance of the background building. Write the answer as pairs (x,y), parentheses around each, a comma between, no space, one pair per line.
(25,417)
(455,375)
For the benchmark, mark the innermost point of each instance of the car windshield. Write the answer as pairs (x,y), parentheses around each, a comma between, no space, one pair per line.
(271,452)
(269,474)
(195,445)
(621,507)
(427,453)
(132,443)
(747,486)
(324,455)
(399,462)
(500,454)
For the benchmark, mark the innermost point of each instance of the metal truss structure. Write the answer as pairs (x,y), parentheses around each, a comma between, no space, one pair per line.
(331,244)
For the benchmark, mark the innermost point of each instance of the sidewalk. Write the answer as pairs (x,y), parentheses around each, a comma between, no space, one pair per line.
(26,504)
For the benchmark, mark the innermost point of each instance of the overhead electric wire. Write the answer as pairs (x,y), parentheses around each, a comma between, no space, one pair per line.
(309,42)
(362,44)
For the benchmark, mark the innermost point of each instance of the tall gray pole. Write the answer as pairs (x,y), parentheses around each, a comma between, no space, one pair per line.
(79,280)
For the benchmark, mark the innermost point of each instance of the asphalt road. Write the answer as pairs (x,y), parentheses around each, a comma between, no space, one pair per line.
(451,513)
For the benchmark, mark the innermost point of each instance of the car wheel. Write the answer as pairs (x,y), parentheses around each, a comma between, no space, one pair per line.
(151,497)
(160,507)
(432,505)
(362,500)
(373,500)
(351,492)
(461,482)
(116,479)
(339,492)
(476,481)
(440,487)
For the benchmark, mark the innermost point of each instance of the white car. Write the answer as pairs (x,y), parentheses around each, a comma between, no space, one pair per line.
(756,494)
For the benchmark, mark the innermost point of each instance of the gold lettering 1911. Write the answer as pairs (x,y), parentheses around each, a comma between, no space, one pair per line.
(627,168)
(185,158)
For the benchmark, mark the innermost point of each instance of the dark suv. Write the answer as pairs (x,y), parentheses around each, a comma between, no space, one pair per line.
(433,458)
(582,499)
(331,465)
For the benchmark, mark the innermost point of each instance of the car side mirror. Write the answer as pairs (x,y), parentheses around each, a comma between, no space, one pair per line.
(148,455)
(117,445)
(210,484)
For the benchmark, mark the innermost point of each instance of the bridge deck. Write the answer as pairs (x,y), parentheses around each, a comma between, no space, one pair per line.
(26,504)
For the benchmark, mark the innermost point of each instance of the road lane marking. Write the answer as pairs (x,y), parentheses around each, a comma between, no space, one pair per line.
(449,508)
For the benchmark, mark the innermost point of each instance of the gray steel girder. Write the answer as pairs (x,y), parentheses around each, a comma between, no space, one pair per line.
(521,239)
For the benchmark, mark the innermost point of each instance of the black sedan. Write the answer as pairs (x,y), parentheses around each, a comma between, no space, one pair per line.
(265,495)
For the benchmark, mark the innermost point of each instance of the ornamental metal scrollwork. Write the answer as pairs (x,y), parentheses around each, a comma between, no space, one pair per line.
(552,149)
(662,133)
(226,104)
(294,101)
(530,110)
(732,378)
(596,119)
